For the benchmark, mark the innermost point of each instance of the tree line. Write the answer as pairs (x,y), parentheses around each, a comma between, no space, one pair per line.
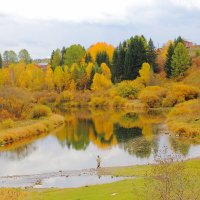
(124,61)
(10,57)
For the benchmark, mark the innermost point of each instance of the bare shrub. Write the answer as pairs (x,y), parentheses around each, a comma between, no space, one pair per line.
(170,179)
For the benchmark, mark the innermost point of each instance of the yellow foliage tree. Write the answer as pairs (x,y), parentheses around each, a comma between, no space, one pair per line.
(38,78)
(23,80)
(101,47)
(106,71)
(100,82)
(89,70)
(49,79)
(72,86)
(59,79)
(1,77)
(16,70)
(74,70)
(162,55)
(32,77)
(145,73)
(5,78)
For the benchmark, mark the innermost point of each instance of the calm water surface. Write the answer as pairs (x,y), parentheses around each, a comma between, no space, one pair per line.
(121,138)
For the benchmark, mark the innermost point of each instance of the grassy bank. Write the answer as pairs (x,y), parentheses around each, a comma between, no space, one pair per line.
(12,194)
(142,170)
(123,190)
(184,120)
(30,128)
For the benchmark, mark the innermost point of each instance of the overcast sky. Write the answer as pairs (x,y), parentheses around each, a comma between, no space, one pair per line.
(43,25)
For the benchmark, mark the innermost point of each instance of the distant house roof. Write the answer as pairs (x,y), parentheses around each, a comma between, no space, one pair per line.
(188,44)
(42,65)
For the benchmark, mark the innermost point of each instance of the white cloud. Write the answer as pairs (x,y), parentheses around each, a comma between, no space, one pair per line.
(74,10)
(189,4)
(92,11)
(43,25)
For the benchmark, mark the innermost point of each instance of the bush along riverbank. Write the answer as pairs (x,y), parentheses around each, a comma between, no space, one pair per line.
(184,120)
(29,128)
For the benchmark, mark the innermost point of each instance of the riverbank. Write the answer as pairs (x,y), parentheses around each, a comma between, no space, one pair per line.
(30,128)
(184,121)
(120,190)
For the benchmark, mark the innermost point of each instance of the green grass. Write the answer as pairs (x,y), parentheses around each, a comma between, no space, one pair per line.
(122,190)
(129,189)
(142,170)
(137,170)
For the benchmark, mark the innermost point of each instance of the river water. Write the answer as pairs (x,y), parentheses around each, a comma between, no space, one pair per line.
(121,138)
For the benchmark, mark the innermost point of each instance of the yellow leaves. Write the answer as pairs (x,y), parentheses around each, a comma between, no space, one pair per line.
(101,47)
(162,55)
(164,50)
(178,93)
(72,86)
(183,119)
(152,96)
(129,89)
(38,79)
(31,77)
(89,70)
(3,76)
(145,73)
(10,194)
(49,79)
(106,71)
(100,82)
(59,78)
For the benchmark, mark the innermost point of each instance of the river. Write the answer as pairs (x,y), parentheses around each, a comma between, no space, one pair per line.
(121,138)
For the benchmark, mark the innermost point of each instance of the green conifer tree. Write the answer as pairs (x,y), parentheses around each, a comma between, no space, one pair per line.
(1,62)
(136,55)
(56,59)
(168,63)
(180,60)
(151,56)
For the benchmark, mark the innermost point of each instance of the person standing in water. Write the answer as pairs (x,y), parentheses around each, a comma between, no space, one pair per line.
(98,161)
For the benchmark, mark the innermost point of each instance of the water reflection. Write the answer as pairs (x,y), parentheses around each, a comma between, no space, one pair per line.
(120,137)
(179,147)
(19,153)
(135,133)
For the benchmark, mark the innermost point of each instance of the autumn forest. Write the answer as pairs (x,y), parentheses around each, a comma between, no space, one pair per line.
(130,97)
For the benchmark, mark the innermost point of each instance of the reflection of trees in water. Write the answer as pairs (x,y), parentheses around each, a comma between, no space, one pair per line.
(79,134)
(102,134)
(132,141)
(124,134)
(80,131)
(108,128)
(22,148)
(179,146)
(74,134)
(102,140)
(78,137)
(138,146)
(19,153)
